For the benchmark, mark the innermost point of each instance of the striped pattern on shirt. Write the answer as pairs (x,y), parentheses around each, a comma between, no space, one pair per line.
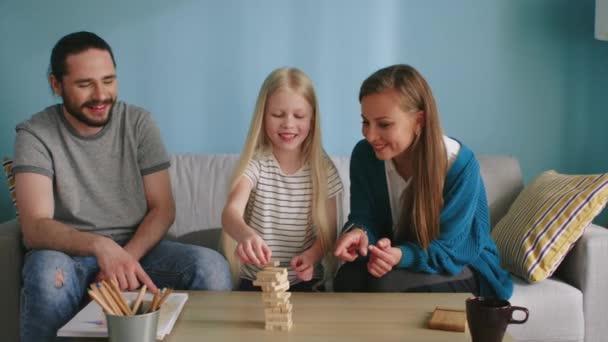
(279,210)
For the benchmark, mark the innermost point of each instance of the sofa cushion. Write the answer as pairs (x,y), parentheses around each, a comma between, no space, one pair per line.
(7,165)
(546,219)
(209,238)
(556,311)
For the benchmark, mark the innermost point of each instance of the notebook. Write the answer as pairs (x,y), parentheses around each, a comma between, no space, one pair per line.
(448,319)
(90,321)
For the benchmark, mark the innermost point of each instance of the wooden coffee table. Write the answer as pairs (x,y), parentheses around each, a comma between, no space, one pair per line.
(239,316)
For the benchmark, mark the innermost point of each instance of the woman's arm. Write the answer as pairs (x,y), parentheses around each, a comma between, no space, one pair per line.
(367,179)
(464,222)
(359,229)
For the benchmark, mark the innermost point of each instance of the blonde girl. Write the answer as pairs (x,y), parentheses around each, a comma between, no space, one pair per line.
(285,189)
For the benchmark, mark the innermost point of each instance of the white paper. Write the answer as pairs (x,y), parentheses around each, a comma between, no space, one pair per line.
(91,322)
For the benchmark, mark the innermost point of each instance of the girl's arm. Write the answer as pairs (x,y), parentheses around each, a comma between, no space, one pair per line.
(304,263)
(250,246)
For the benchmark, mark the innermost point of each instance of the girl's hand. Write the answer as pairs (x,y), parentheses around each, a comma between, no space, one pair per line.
(383,258)
(350,243)
(253,250)
(304,265)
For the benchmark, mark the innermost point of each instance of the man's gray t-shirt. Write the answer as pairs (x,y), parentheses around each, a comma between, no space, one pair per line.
(97,180)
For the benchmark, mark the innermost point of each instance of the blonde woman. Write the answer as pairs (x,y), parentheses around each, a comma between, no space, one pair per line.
(419,218)
(285,190)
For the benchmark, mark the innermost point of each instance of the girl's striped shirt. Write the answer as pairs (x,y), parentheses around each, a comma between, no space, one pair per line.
(279,210)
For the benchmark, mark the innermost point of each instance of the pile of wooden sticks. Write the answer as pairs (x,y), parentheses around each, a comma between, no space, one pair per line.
(111,300)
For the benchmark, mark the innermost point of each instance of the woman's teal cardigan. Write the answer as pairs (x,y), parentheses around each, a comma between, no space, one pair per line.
(464,237)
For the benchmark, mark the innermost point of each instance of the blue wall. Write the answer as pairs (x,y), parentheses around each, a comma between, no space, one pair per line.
(516,77)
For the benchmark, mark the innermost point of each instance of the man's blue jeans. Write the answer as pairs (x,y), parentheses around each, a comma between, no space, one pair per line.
(54,283)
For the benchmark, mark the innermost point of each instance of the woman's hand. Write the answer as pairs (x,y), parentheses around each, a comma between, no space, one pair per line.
(253,250)
(383,258)
(350,243)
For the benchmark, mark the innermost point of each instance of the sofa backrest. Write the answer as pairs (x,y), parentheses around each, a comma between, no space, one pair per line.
(200,187)
(502,178)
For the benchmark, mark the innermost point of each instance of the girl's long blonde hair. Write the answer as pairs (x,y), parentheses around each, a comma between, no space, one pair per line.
(258,143)
(428,154)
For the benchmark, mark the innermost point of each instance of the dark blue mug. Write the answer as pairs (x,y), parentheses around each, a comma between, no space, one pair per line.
(488,318)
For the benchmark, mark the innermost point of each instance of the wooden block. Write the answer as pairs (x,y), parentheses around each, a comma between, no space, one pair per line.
(283,326)
(274,269)
(277,310)
(274,279)
(276,295)
(278,317)
(286,308)
(269,300)
(267,276)
(273,286)
(272,295)
(264,282)
(280,324)
(274,262)
(270,276)
(448,319)
(278,287)
(271,280)
(277,305)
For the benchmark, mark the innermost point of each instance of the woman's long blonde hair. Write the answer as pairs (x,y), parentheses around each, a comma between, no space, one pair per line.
(258,143)
(428,154)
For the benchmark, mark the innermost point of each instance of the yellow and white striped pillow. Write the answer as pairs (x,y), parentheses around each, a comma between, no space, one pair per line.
(545,221)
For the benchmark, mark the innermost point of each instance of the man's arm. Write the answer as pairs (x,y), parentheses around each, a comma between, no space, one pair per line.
(36,207)
(41,231)
(123,265)
(160,216)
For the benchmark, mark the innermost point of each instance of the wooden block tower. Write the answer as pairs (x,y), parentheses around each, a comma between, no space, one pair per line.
(277,308)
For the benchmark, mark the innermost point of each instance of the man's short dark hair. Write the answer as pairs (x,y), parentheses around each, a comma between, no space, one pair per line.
(72,44)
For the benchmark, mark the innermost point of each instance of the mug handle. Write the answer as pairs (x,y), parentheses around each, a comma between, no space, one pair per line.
(521,321)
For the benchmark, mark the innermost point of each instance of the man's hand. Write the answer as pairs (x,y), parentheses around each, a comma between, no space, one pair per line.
(350,243)
(253,250)
(115,263)
(383,258)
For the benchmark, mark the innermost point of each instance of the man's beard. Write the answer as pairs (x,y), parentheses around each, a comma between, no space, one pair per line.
(76,112)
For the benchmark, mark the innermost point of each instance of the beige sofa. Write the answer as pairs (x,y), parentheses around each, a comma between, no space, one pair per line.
(567,307)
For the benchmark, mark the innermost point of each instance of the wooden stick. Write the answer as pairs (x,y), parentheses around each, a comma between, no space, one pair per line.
(273,262)
(139,299)
(154,301)
(101,303)
(114,285)
(108,297)
(163,298)
(96,291)
(117,296)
